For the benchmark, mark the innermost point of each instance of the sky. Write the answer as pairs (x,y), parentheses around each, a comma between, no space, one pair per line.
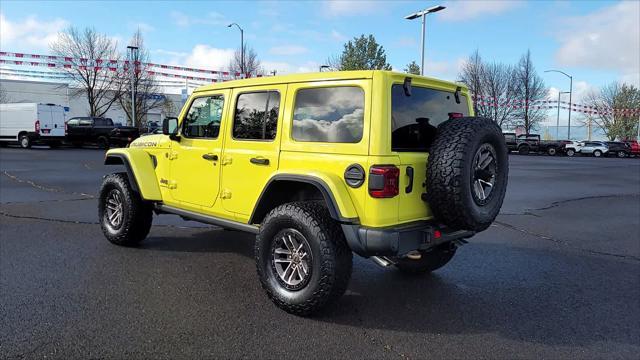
(596,42)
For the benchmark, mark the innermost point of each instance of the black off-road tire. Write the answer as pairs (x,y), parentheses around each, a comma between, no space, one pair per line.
(331,257)
(450,173)
(552,151)
(524,150)
(430,261)
(137,214)
(103,143)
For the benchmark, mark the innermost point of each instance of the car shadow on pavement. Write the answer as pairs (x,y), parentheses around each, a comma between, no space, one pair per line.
(203,240)
(554,304)
(532,295)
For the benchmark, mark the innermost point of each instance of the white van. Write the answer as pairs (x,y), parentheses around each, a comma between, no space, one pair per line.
(31,123)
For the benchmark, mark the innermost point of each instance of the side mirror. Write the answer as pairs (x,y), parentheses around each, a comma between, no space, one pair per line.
(170,127)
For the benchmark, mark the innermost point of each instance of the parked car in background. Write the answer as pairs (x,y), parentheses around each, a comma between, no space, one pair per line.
(100,131)
(572,147)
(618,148)
(595,148)
(31,123)
(531,143)
(510,139)
(634,147)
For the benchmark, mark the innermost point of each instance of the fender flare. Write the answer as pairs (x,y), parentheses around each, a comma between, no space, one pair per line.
(149,190)
(318,183)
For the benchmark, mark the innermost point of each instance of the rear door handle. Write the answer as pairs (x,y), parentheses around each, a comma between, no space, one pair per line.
(259,161)
(409,187)
(212,157)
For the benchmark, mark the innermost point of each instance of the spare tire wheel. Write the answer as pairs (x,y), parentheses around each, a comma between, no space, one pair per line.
(467,173)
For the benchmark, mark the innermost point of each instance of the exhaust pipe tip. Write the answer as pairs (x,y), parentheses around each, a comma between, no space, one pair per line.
(382,261)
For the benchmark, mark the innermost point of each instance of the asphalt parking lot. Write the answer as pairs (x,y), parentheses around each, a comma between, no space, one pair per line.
(557,276)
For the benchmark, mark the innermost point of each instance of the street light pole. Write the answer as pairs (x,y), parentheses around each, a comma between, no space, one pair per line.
(570,95)
(423,14)
(558,118)
(241,47)
(132,63)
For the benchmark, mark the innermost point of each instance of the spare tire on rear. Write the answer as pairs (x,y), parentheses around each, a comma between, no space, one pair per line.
(467,173)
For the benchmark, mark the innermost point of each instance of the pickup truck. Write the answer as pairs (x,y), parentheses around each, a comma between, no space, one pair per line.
(100,131)
(531,143)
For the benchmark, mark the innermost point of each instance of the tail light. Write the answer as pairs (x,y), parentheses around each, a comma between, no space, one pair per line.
(455,115)
(384,181)
(37,126)
(65,128)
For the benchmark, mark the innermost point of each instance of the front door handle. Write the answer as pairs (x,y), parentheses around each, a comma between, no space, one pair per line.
(212,157)
(259,161)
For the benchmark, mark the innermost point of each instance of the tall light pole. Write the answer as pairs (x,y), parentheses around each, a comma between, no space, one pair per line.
(241,47)
(558,118)
(570,94)
(423,15)
(133,59)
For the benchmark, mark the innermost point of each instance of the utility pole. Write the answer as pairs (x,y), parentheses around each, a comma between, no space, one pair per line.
(570,93)
(423,14)
(133,59)
(242,70)
(558,118)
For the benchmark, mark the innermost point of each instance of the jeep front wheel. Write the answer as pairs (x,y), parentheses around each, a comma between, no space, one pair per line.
(125,218)
(302,257)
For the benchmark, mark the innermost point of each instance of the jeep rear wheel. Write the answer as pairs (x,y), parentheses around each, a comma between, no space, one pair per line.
(467,173)
(429,261)
(124,217)
(302,257)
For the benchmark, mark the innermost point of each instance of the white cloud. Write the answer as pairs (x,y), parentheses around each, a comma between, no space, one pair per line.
(288,50)
(346,129)
(337,36)
(608,38)
(201,56)
(350,7)
(467,10)
(210,18)
(29,34)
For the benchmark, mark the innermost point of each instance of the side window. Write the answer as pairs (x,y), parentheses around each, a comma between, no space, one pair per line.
(256,116)
(87,122)
(204,117)
(73,122)
(331,114)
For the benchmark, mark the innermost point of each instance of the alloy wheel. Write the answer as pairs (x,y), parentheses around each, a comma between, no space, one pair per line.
(114,208)
(292,259)
(484,173)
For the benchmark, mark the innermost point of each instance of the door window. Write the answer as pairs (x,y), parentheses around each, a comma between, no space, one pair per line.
(204,118)
(256,116)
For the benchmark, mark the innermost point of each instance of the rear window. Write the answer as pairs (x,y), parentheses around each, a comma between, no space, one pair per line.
(415,118)
(510,137)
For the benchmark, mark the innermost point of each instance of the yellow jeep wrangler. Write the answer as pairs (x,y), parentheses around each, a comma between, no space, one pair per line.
(389,166)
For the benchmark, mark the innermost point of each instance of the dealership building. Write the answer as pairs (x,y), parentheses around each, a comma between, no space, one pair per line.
(45,92)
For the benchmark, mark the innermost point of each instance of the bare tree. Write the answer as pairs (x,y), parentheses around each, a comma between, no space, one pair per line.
(472,74)
(499,86)
(251,64)
(84,55)
(606,104)
(529,89)
(146,90)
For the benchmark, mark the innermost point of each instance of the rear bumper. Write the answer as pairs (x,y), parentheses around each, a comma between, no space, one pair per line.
(399,240)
